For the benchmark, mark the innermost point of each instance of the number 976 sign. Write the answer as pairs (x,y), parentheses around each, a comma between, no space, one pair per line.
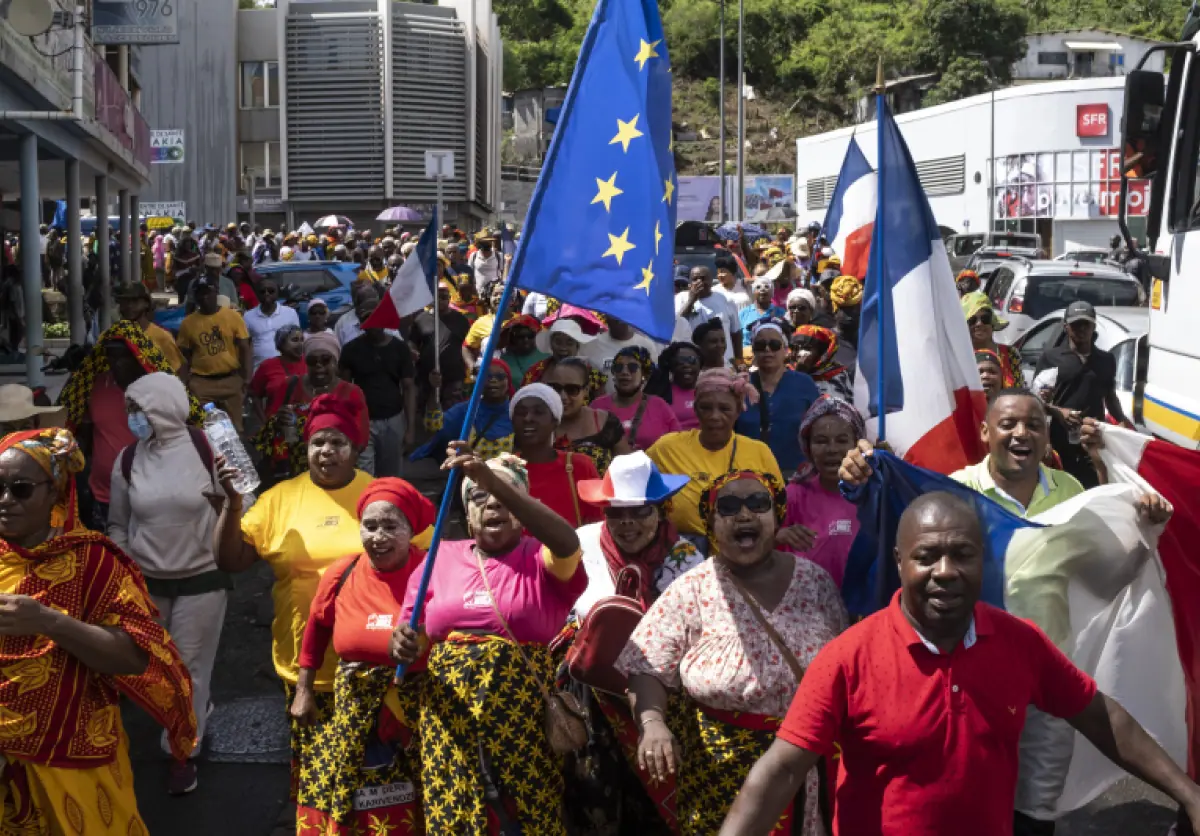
(135,21)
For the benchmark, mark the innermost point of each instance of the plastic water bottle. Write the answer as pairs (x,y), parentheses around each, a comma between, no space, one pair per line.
(223,437)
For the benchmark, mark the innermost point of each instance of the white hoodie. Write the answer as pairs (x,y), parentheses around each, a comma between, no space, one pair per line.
(160,517)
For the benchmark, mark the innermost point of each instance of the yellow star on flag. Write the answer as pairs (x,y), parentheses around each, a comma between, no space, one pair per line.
(618,245)
(657,236)
(607,191)
(645,53)
(668,191)
(626,133)
(647,278)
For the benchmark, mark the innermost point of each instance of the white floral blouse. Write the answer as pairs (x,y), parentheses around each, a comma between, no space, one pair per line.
(702,636)
(682,557)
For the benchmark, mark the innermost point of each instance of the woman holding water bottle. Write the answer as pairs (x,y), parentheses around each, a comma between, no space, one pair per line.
(301,527)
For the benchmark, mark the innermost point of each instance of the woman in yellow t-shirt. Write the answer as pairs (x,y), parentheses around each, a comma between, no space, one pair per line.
(714,449)
(300,527)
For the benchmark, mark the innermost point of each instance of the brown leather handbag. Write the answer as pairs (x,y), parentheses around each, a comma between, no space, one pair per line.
(603,635)
(566,728)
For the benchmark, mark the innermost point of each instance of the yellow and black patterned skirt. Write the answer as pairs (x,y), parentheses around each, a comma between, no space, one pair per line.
(487,766)
(303,736)
(364,771)
(719,748)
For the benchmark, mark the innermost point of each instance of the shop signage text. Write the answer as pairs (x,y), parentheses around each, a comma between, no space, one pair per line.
(1091,119)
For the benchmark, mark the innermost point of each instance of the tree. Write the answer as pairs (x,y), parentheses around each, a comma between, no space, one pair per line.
(964,77)
(993,30)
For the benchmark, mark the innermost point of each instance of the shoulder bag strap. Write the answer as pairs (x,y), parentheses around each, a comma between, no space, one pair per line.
(761,617)
(764,409)
(732,454)
(571,487)
(637,419)
(504,626)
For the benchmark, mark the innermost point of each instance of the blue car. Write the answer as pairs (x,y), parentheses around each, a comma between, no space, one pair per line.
(299,283)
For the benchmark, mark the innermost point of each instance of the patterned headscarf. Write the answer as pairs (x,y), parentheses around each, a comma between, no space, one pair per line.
(57,453)
(724,380)
(823,342)
(821,407)
(78,391)
(508,467)
(845,291)
(975,303)
(708,499)
(641,355)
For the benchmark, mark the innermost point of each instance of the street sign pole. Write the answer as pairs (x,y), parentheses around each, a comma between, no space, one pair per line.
(438,166)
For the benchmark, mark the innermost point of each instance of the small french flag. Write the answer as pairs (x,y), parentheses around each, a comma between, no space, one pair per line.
(412,289)
(850,220)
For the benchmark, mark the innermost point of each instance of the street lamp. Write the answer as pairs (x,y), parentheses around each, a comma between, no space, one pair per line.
(721,163)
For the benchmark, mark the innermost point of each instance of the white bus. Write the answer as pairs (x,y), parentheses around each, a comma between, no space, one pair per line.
(1161,141)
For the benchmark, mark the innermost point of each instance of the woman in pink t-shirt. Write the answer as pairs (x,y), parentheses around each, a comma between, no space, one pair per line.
(485,595)
(675,382)
(646,418)
(820,524)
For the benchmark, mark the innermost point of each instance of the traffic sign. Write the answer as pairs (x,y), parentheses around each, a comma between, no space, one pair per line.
(439,164)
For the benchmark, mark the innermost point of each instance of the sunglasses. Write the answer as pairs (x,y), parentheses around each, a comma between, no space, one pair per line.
(625,367)
(756,503)
(571,390)
(800,307)
(497,376)
(21,489)
(686,360)
(768,345)
(637,512)
(980,319)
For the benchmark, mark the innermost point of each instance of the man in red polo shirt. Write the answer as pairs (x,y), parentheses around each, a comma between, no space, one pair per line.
(927,700)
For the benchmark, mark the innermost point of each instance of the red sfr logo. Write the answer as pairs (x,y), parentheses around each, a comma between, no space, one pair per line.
(1091,120)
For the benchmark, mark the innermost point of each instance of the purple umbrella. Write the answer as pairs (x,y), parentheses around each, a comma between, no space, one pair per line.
(400,214)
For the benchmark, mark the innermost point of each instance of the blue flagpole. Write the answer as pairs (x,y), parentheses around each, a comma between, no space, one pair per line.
(485,363)
(877,258)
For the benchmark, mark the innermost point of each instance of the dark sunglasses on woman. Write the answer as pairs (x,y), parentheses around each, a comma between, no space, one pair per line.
(572,390)
(768,345)
(636,512)
(618,368)
(757,503)
(21,489)
(981,318)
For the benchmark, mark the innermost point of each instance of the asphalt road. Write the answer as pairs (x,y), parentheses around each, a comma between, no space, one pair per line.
(243,774)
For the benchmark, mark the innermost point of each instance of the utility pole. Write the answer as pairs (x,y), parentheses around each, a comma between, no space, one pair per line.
(721,162)
(741,113)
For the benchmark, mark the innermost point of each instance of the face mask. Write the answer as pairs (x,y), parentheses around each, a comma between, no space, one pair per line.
(139,425)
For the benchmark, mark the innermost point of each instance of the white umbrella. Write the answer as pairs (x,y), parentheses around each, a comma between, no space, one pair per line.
(304,229)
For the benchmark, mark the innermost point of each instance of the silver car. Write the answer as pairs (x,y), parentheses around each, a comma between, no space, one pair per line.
(1119,331)
(1024,291)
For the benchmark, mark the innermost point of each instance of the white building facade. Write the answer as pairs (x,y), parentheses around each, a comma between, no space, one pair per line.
(1083,53)
(1055,147)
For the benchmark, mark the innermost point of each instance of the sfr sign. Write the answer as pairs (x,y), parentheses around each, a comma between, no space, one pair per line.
(1091,120)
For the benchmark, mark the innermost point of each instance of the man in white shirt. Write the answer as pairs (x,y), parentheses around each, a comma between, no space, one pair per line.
(486,265)
(348,327)
(262,322)
(698,304)
(601,351)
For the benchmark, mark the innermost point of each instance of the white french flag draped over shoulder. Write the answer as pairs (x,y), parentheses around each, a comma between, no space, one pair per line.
(851,216)
(912,325)
(412,289)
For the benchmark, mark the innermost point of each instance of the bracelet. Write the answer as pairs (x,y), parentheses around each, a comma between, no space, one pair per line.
(653,720)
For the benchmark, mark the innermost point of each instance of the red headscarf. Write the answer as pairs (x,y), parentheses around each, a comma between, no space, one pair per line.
(646,562)
(332,412)
(407,499)
(496,361)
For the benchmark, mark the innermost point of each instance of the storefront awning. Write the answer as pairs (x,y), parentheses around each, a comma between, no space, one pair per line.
(1093,46)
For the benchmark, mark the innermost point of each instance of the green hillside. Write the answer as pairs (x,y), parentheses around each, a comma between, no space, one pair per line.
(809,60)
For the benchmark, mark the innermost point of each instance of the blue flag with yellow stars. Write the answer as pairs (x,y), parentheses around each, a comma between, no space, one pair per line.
(600,232)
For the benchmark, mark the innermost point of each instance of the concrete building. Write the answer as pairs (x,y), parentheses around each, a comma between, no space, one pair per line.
(361,89)
(69,130)
(1055,168)
(1082,53)
(189,97)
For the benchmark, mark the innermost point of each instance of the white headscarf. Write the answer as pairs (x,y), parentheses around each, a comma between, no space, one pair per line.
(541,392)
(803,294)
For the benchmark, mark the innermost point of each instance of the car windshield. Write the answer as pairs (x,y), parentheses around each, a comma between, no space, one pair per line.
(306,282)
(1047,294)
(1088,256)
(1005,241)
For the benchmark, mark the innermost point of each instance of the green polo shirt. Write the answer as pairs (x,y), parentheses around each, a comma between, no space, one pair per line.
(1054,487)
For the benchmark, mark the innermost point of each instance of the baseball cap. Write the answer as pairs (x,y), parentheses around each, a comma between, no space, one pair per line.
(1079,311)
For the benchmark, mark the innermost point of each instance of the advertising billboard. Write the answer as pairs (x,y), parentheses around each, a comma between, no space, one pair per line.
(770,198)
(135,21)
(166,146)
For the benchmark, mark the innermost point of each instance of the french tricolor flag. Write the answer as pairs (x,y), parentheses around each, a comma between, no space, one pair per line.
(851,216)
(412,289)
(917,376)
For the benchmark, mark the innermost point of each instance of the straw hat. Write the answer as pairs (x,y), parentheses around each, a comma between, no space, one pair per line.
(16,403)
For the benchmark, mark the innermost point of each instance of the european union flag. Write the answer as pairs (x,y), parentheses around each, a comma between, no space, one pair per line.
(600,232)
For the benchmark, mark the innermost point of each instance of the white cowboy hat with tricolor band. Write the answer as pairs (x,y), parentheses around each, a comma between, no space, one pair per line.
(631,480)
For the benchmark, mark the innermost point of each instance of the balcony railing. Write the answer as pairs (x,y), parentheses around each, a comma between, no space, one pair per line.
(116,114)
